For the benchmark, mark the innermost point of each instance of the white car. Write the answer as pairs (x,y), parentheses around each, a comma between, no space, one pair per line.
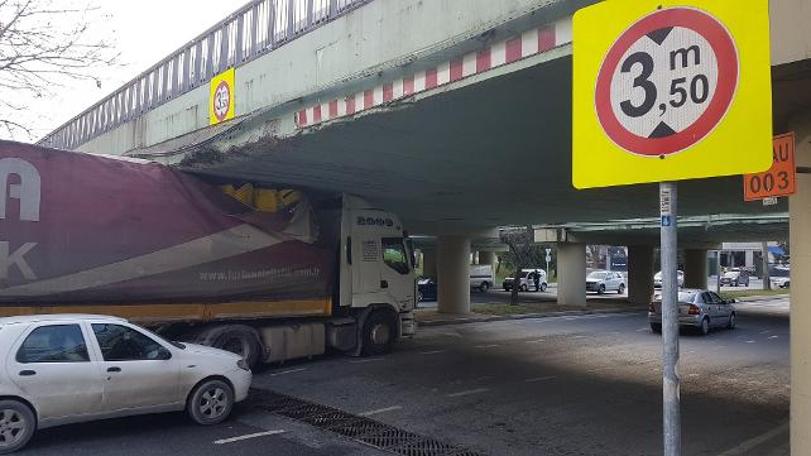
(60,369)
(657,279)
(603,281)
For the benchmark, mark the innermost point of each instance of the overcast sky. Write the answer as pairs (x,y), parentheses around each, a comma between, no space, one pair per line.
(145,31)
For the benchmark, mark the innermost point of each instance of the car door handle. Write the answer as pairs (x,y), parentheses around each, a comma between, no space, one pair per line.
(113,369)
(27,373)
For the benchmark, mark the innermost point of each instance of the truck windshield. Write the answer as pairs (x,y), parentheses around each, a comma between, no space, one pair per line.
(395,256)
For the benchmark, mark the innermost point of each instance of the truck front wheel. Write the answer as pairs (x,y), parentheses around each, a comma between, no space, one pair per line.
(379,333)
(240,339)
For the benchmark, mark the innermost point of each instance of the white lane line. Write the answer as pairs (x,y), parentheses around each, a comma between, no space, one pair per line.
(469,392)
(539,379)
(537,341)
(750,341)
(486,346)
(774,337)
(383,410)
(291,371)
(247,437)
(756,441)
(363,361)
(433,352)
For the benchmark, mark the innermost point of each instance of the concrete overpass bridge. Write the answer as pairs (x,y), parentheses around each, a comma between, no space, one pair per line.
(454,113)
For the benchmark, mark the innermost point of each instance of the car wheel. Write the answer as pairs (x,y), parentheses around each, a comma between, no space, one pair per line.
(379,333)
(731,323)
(705,326)
(17,425)
(601,290)
(621,289)
(544,286)
(656,327)
(484,287)
(211,402)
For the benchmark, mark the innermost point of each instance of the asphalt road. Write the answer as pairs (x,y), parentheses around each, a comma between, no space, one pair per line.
(587,385)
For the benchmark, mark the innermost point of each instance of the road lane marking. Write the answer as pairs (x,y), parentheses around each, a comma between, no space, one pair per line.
(756,441)
(469,392)
(539,379)
(433,352)
(368,360)
(486,346)
(383,410)
(291,371)
(248,436)
(774,337)
(537,341)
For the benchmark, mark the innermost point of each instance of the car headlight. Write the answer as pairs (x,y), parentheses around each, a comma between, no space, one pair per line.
(242,364)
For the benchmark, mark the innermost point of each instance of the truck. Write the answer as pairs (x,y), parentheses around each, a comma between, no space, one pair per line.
(269,272)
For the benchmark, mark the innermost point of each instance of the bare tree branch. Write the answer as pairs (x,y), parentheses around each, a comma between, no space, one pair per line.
(43,45)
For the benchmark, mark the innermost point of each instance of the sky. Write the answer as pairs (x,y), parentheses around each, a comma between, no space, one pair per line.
(144,32)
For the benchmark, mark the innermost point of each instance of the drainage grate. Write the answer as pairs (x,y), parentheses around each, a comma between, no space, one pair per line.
(365,430)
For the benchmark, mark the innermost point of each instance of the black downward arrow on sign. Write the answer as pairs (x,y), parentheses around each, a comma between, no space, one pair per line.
(659,36)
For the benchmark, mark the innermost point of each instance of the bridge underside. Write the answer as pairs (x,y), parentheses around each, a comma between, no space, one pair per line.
(493,153)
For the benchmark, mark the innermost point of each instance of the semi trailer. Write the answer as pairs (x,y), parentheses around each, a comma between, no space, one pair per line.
(269,272)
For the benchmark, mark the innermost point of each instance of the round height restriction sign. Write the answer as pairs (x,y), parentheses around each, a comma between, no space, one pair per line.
(667,82)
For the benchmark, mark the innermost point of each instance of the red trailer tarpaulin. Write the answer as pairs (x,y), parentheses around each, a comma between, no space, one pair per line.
(83,228)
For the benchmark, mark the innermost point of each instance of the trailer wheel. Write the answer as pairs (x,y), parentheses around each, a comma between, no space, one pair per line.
(239,339)
(379,333)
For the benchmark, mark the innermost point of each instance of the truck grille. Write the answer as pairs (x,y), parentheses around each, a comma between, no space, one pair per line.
(370,432)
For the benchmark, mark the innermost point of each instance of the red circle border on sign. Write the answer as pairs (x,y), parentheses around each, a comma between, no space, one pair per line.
(728,71)
(222,84)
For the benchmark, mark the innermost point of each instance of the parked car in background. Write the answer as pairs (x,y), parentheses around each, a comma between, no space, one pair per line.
(699,309)
(603,281)
(426,289)
(780,277)
(482,277)
(735,278)
(61,369)
(528,280)
(657,279)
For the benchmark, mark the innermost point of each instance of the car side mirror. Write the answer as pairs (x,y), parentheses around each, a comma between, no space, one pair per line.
(164,354)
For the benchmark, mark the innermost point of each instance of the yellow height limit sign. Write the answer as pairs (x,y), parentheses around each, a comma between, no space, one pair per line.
(670,90)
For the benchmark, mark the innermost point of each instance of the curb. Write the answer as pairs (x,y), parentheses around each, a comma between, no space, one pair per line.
(484,319)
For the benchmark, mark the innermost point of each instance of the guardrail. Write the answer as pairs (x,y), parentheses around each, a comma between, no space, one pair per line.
(252,31)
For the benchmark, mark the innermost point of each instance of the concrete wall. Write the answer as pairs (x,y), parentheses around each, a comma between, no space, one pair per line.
(791,40)
(800,295)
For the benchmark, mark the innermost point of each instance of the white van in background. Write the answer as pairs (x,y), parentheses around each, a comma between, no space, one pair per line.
(482,277)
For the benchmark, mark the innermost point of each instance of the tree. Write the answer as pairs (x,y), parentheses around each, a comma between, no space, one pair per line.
(522,253)
(44,43)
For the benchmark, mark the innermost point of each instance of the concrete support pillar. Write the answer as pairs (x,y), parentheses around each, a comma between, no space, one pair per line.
(429,263)
(486,257)
(695,268)
(800,227)
(640,274)
(572,274)
(453,266)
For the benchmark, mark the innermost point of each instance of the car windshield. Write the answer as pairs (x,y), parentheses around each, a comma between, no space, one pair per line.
(780,272)
(597,275)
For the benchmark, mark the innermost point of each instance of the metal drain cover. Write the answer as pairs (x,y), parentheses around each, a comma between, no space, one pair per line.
(370,432)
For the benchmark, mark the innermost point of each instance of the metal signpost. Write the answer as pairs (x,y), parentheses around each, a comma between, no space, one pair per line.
(661,94)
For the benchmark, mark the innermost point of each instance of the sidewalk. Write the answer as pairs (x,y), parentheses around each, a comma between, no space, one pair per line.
(496,312)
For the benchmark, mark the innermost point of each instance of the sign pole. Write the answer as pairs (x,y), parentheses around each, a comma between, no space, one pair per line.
(670,320)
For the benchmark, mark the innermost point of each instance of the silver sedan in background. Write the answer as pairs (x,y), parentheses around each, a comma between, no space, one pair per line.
(699,309)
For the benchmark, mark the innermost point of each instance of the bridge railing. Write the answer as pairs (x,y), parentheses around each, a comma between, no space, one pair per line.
(254,30)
